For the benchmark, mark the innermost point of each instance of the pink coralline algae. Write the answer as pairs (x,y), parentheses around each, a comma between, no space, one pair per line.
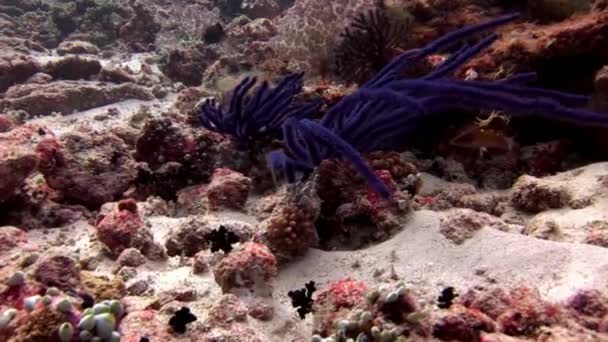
(535,195)
(123,228)
(14,296)
(250,265)
(229,309)
(590,308)
(462,324)
(520,311)
(461,225)
(7,123)
(227,321)
(344,193)
(343,293)
(335,301)
(228,189)
(385,214)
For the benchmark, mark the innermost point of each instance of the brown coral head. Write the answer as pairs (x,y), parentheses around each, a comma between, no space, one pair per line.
(128,204)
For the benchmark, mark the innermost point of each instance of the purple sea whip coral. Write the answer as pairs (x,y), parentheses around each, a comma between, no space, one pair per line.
(261,114)
(384,109)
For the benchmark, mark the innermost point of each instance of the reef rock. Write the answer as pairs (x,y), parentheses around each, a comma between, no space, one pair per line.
(16,69)
(77,47)
(87,167)
(69,96)
(17,159)
(123,228)
(72,68)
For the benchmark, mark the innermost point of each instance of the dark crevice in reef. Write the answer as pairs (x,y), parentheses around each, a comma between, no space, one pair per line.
(573,74)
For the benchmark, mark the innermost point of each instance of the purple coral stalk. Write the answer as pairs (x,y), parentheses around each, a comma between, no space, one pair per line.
(261,114)
(385,108)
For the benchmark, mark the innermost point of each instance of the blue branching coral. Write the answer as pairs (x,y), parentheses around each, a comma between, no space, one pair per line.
(384,109)
(251,116)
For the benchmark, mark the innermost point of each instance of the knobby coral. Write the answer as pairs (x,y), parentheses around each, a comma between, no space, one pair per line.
(383,110)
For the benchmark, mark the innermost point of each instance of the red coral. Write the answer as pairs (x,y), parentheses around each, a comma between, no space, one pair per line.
(344,293)
(48,154)
(117,230)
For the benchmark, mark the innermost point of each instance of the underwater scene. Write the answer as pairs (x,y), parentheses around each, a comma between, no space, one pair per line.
(303,170)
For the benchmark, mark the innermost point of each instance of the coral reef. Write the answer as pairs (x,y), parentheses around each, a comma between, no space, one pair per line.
(280,170)
(348,127)
(263,113)
(17,159)
(532,195)
(16,69)
(72,68)
(52,316)
(58,271)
